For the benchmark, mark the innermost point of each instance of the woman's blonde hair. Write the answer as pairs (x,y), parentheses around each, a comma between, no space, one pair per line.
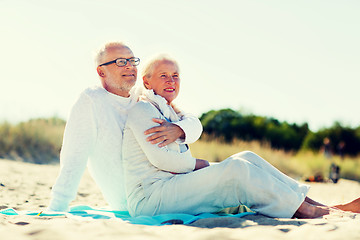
(150,66)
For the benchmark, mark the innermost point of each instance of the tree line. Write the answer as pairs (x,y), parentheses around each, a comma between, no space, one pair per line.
(39,140)
(229,125)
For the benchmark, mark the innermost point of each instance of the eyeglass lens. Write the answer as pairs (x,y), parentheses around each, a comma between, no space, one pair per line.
(122,62)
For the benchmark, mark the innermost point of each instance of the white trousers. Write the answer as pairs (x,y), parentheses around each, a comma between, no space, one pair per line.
(244,178)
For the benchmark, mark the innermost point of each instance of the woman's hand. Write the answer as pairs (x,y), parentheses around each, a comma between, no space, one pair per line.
(200,163)
(164,134)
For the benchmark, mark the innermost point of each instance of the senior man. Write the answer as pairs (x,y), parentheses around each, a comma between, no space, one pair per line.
(94,131)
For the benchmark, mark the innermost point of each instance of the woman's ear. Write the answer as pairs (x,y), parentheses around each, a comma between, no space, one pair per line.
(100,71)
(146,82)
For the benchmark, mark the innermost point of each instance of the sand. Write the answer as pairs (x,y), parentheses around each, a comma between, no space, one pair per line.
(25,186)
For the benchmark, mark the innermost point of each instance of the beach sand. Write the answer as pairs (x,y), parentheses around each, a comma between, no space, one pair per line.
(25,186)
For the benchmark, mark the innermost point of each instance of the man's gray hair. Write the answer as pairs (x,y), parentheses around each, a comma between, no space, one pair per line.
(99,57)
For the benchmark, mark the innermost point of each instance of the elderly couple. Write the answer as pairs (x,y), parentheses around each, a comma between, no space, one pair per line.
(135,145)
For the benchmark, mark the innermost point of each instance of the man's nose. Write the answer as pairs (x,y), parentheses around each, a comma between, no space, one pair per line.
(129,65)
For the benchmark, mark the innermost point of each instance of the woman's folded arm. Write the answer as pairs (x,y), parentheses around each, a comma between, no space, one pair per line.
(139,120)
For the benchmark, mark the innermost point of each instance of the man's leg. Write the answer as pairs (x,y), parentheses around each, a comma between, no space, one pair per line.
(353,206)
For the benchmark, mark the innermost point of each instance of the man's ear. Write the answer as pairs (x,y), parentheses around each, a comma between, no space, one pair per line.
(146,83)
(100,71)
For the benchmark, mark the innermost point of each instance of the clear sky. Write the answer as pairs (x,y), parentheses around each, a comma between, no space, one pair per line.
(297,61)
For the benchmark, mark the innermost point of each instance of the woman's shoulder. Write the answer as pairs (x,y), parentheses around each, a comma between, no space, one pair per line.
(142,105)
(142,109)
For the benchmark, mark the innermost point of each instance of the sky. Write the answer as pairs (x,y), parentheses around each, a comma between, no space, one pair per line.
(296,61)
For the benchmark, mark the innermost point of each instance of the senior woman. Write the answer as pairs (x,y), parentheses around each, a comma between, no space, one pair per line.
(171,180)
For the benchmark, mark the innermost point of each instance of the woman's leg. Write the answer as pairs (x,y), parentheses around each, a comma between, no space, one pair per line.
(230,183)
(309,207)
(251,181)
(266,166)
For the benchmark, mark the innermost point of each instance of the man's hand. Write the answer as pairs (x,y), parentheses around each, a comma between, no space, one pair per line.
(164,134)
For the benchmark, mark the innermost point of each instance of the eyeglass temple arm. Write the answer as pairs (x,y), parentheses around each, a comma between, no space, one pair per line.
(107,63)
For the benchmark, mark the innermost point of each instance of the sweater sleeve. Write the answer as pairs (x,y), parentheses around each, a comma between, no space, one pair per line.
(192,128)
(140,119)
(79,139)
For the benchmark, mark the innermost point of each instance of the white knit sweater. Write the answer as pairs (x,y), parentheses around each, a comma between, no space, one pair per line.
(93,136)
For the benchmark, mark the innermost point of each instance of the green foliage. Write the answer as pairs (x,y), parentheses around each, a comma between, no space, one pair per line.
(337,133)
(220,123)
(231,125)
(37,141)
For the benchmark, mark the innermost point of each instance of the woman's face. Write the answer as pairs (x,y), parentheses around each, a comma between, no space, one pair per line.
(165,80)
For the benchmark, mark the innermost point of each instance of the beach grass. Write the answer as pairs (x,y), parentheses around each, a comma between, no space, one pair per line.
(39,141)
(299,165)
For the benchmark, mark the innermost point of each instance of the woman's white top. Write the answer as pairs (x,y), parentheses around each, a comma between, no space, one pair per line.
(145,163)
(94,136)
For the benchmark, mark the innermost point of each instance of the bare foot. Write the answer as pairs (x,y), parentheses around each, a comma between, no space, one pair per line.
(353,206)
(307,210)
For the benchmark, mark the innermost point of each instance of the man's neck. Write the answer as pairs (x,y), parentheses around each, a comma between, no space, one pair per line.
(119,92)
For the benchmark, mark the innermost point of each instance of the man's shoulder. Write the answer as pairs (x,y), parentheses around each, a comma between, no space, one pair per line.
(90,96)
(94,91)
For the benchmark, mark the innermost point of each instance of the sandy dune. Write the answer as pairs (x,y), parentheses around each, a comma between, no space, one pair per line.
(26,186)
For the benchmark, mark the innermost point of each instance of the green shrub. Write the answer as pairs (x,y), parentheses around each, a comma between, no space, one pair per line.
(231,125)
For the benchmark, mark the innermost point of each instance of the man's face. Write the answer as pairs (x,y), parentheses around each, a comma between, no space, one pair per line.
(115,79)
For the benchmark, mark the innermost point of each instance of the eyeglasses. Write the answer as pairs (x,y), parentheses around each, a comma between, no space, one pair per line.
(121,62)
